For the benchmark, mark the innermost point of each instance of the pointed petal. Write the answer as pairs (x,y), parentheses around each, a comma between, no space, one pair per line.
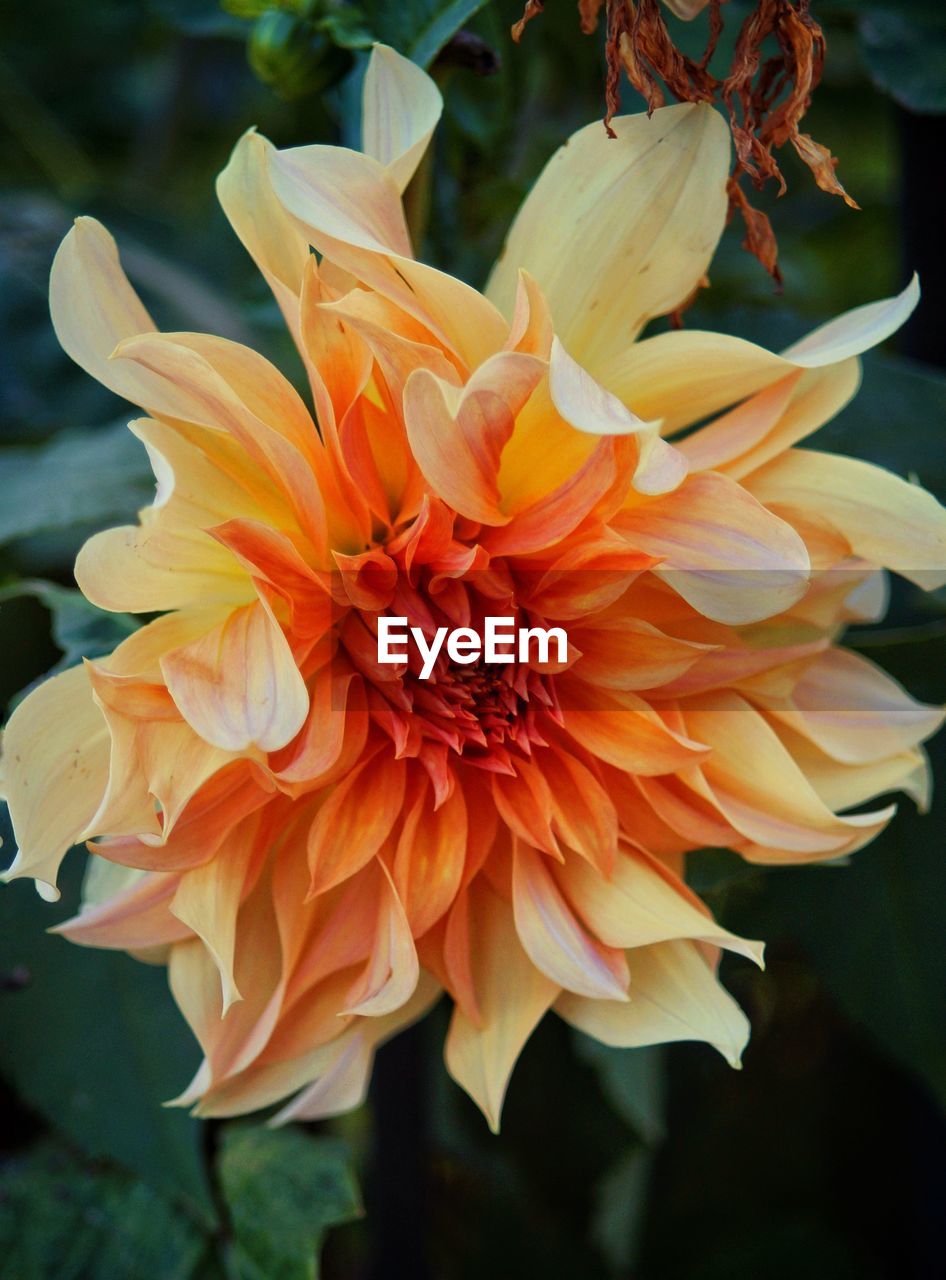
(674,995)
(94,308)
(268,233)
(392,971)
(554,939)
(208,898)
(349,207)
(512,995)
(641,904)
(400,109)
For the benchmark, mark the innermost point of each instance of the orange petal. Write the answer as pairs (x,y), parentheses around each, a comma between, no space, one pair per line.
(347,833)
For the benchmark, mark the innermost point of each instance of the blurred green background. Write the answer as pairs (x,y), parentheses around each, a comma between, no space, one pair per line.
(826,1155)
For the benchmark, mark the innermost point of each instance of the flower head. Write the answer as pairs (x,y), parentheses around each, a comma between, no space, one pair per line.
(317,843)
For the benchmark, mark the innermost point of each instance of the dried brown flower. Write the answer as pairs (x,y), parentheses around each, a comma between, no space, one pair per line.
(765,99)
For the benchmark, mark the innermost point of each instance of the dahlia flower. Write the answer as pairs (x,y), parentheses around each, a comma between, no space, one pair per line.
(317,844)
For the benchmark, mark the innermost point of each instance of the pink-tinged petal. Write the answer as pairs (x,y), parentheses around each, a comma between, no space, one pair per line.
(392,972)
(722,551)
(642,903)
(53,773)
(554,939)
(738,431)
(885,520)
(333,737)
(400,109)
(343,1075)
(347,831)
(135,919)
(622,729)
(616,231)
(674,995)
(190,838)
(238,686)
(512,996)
(856,331)
(852,710)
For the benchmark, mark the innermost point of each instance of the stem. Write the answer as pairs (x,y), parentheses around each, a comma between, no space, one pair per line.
(397,1188)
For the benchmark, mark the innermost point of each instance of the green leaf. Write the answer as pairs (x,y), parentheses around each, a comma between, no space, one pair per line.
(79,629)
(873,931)
(98,477)
(419,28)
(93,1041)
(905,52)
(62,1217)
(283,1190)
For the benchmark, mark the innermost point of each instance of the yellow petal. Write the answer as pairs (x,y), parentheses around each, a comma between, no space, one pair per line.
(94,308)
(616,231)
(885,520)
(758,787)
(238,686)
(674,995)
(400,109)
(268,233)
(853,711)
(512,995)
(641,904)
(682,377)
(53,772)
